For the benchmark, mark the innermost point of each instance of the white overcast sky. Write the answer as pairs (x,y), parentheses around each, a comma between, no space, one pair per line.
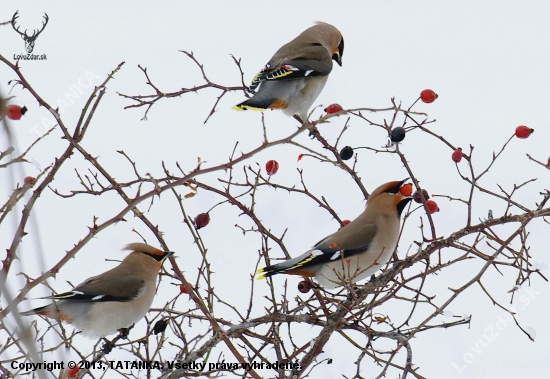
(489,61)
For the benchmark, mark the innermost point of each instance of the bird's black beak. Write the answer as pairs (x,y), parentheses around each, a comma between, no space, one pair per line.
(167,255)
(337,57)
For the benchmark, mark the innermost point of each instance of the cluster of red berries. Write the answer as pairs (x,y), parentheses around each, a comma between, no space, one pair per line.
(407,190)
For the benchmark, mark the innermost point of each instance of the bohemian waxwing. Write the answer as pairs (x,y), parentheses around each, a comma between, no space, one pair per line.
(367,243)
(113,300)
(297,73)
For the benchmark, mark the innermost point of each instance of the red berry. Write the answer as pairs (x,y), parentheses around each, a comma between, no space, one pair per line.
(183,289)
(344,223)
(549,161)
(272,167)
(14,112)
(202,220)
(457,155)
(333,108)
(428,96)
(29,180)
(523,131)
(432,206)
(406,190)
(72,372)
(304,286)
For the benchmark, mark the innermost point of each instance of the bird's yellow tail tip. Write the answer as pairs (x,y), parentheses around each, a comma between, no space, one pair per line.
(244,107)
(261,274)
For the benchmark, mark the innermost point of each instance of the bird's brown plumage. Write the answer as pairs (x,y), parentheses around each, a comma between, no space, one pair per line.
(366,243)
(114,299)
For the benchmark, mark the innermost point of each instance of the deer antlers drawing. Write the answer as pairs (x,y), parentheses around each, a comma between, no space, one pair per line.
(29,40)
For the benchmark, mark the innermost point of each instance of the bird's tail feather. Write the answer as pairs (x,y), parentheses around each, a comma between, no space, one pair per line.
(256,104)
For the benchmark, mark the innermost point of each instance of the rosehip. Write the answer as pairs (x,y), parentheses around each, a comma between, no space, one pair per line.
(432,206)
(14,112)
(160,326)
(428,96)
(73,371)
(344,223)
(457,155)
(272,167)
(406,190)
(183,289)
(202,220)
(333,108)
(29,180)
(523,131)
(548,161)
(304,286)
(346,153)
(397,134)
(418,197)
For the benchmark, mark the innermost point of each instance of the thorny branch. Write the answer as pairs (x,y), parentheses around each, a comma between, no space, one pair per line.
(280,326)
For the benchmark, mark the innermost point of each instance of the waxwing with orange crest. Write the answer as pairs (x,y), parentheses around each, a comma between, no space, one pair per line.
(357,250)
(116,299)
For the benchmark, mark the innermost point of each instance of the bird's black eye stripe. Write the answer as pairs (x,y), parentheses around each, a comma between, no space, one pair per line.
(341,47)
(156,257)
(396,189)
(393,190)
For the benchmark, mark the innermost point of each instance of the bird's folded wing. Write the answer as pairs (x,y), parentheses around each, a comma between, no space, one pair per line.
(343,243)
(352,239)
(105,288)
(297,68)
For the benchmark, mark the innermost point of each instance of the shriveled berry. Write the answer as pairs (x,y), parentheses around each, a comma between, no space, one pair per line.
(397,134)
(418,197)
(14,112)
(406,189)
(29,180)
(202,220)
(304,286)
(523,131)
(333,108)
(344,223)
(160,326)
(548,161)
(272,167)
(346,153)
(428,96)
(457,155)
(183,289)
(432,206)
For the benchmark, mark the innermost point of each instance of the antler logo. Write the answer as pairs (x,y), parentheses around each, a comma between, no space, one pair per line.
(29,40)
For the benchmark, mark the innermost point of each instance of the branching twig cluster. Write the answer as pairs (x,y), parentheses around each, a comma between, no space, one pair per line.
(356,313)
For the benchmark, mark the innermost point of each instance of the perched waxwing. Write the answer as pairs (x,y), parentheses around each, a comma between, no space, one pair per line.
(297,73)
(366,244)
(113,300)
